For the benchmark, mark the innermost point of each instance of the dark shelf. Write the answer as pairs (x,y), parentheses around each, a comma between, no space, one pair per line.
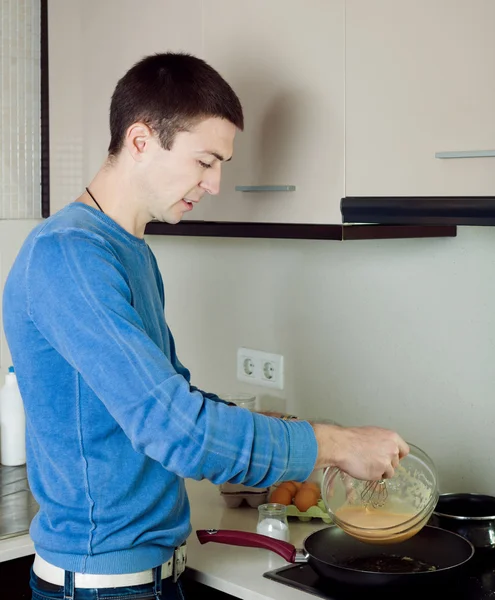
(299,231)
(421,210)
(390,232)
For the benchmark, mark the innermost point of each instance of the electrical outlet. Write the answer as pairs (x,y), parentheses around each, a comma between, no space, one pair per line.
(260,368)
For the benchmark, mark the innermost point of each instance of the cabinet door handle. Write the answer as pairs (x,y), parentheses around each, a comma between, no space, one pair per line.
(265,188)
(466,154)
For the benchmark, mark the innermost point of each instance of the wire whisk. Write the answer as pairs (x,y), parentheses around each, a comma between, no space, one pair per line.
(375,493)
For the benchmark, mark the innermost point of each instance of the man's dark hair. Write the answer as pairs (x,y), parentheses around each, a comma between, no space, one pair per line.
(170,93)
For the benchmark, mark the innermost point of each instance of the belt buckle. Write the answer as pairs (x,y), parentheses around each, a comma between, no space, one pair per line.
(179,562)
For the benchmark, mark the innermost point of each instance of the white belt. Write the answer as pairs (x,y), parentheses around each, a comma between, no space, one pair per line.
(56,576)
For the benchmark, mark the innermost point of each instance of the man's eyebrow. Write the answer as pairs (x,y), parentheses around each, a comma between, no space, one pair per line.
(219,156)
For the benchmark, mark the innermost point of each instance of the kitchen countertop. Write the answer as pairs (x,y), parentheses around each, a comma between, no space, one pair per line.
(17,508)
(239,571)
(236,571)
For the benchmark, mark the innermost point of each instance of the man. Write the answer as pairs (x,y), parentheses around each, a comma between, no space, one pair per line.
(113,424)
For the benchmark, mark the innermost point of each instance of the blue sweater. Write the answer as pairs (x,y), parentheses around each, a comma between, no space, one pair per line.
(113,423)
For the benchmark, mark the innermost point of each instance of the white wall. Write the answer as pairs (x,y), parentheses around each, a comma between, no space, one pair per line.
(12,234)
(399,333)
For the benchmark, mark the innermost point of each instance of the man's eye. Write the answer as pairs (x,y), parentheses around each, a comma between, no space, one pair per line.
(204,165)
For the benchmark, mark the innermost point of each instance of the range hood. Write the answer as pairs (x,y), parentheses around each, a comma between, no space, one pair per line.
(421,210)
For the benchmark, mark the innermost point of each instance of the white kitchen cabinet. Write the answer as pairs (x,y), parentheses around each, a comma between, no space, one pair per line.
(420,79)
(91,45)
(122,33)
(66,101)
(285,60)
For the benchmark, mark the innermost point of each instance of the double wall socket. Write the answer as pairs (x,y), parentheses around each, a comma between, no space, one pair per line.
(260,368)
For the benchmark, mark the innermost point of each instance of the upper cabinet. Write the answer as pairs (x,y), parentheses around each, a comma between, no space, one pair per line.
(91,45)
(121,34)
(420,80)
(285,60)
(341,97)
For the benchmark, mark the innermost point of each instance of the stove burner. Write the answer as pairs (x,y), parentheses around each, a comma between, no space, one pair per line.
(475,582)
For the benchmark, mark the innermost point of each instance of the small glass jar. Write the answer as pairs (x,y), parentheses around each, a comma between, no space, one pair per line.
(236,494)
(241,399)
(272,521)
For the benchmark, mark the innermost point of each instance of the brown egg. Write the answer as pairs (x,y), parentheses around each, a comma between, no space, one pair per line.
(298,484)
(312,486)
(289,485)
(305,498)
(281,496)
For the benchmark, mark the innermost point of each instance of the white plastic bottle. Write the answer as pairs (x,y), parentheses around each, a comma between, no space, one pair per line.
(12,423)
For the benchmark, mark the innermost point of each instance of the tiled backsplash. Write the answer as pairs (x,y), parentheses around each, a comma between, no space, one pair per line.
(20,142)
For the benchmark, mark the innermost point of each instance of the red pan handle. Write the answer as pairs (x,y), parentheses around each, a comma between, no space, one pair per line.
(245,538)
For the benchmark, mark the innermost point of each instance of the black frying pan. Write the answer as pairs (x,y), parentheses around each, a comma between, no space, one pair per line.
(333,554)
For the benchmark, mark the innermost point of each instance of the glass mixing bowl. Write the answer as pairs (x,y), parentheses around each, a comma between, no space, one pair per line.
(411,496)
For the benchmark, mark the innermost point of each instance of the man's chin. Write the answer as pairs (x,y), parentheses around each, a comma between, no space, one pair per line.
(169,219)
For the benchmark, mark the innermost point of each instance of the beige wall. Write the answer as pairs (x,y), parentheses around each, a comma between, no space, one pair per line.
(396,333)
(12,234)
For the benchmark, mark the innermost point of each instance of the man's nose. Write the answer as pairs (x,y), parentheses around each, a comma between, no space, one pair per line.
(211,180)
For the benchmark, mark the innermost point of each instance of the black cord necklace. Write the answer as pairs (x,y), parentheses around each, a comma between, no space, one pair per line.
(95,201)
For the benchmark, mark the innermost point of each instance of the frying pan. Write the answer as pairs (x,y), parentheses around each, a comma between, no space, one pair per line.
(334,554)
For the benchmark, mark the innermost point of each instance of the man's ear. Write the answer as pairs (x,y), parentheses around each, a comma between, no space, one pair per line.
(137,139)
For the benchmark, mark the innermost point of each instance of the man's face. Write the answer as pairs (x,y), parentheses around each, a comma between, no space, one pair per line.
(175,180)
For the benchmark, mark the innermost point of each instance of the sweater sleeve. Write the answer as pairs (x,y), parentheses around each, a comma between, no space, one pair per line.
(80,301)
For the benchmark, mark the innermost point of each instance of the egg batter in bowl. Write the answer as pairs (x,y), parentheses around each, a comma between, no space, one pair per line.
(411,496)
(378,526)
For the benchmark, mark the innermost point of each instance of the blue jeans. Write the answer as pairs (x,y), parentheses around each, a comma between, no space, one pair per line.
(160,589)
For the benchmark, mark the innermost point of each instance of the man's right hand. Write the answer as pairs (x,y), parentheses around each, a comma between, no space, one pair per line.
(368,453)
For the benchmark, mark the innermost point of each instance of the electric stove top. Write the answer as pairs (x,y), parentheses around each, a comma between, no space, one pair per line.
(476,581)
